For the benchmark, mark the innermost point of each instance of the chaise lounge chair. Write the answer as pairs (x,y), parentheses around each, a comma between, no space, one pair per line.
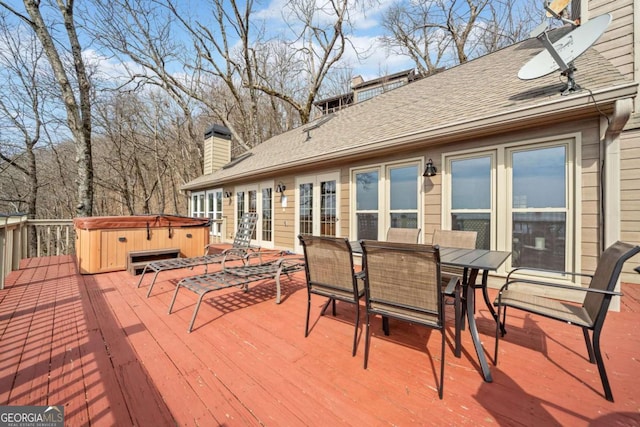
(240,277)
(240,250)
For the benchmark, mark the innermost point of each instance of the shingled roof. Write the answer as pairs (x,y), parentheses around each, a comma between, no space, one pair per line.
(483,95)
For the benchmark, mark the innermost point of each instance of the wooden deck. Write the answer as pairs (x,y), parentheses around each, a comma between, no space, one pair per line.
(98,346)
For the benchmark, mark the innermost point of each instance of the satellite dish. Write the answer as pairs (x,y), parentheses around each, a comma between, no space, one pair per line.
(561,54)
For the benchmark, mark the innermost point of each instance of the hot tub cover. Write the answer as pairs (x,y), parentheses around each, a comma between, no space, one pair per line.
(139,221)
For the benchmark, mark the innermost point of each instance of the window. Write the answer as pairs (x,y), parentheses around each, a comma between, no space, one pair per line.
(367,204)
(403,196)
(197,206)
(317,205)
(257,198)
(208,204)
(472,196)
(539,207)
(267,214)
(517,197)
(214,211)
(386,196)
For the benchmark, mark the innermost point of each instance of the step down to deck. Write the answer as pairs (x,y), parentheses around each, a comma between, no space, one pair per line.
(137,260)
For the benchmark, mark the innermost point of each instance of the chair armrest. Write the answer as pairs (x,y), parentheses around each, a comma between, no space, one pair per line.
(543,270)
(454,282)
(558,286)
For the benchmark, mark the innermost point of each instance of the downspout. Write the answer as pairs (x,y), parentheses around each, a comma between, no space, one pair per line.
(610,178)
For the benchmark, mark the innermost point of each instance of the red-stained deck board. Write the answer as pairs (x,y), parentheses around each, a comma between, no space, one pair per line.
(138,337)
(185,369)
(239,365)
(66,382)
(114,357)
(30,381)
(122,363)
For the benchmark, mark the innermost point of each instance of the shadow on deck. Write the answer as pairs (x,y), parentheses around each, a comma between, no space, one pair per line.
(111,356)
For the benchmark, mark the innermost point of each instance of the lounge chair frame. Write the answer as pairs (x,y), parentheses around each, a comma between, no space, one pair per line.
(241,277)
(240,250)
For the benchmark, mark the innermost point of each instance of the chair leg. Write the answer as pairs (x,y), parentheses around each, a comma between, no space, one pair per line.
(495,355)
(144,270)
(587,340)
(600,362)
(385,325)
(355,333)
(441,385)
(325,306)
(153,282)
(195,312)
(463,307)
(366,341)
(458,323)
(175,294)
(306,325)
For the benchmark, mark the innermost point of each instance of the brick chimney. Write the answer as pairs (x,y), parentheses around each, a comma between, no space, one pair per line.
(217,148)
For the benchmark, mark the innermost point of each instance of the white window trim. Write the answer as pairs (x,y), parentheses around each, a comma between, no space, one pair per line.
(315,179)
(257,187)
(503,198)
(383,190)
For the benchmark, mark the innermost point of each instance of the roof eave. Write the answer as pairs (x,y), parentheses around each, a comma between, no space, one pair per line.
(557,108)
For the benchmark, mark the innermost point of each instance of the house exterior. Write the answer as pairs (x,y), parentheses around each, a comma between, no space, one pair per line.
(364,90)
(551,178)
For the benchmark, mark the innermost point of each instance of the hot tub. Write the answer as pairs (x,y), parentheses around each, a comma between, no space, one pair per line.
(103,243)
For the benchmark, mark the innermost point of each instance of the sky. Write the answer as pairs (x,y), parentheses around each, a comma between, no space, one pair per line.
(366,23)
(367,30)
(364,38)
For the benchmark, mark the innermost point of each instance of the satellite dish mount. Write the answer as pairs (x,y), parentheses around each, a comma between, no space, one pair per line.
(561,54)
(566,70)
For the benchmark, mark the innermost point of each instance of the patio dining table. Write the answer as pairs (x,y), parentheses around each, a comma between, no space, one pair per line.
(473,260)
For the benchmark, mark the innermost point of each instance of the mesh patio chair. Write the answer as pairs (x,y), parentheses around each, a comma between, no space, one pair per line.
(402,281)
(454,239)
(241,249)
(330,273)
(518,294)
(463,240)
(403,235)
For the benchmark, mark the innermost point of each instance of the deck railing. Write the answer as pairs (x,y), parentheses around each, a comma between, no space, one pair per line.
(53,237)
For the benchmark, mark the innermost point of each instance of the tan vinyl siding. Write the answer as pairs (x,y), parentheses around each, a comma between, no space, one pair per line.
(617,43)
(284,218)
(630,199)
(589,193)
(217,153)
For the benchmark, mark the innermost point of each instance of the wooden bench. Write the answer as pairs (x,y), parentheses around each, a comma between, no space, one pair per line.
(137,260)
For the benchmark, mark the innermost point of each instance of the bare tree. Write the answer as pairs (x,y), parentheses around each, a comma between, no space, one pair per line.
(78,109)
(22,101)
(223,59)
(142,154)
(320,36)
(442,33)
